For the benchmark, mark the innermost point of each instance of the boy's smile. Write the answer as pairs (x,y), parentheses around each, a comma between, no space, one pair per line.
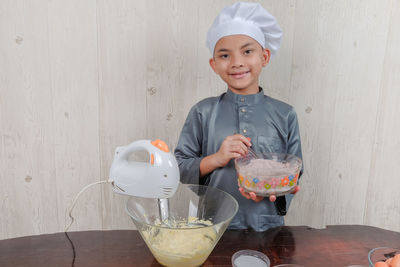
(238,60)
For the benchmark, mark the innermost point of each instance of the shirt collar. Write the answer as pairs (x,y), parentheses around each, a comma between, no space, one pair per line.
(245,99)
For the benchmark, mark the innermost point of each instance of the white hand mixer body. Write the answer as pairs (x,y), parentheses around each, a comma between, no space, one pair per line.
(158,178)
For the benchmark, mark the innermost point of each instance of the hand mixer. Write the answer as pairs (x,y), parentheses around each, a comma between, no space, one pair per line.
(158,178)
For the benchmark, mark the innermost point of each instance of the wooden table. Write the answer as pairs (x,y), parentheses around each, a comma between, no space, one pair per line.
(334,246)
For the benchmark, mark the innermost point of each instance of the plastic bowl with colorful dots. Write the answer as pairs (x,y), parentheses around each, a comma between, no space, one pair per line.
(268,173)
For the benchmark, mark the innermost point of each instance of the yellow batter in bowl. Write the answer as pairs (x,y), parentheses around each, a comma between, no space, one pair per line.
(182,244)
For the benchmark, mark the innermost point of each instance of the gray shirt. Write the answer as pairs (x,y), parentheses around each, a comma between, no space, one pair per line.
(271,125)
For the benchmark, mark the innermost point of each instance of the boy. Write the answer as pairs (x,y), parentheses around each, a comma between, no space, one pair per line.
(218,129)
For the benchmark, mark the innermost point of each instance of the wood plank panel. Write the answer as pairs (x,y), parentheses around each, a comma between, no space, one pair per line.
(122,46)
(357,91)
(171,66)
(28,202)
(74,81)
(355,108)
(313,94)
(382,199)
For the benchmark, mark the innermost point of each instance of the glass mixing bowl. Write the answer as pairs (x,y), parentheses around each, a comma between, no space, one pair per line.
(268,173)
(198,216)
(381,254)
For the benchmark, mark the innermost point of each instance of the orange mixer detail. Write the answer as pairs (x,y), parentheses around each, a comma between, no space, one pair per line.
(160,144)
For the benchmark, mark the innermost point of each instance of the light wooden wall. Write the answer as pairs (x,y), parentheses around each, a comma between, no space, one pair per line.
(78,78)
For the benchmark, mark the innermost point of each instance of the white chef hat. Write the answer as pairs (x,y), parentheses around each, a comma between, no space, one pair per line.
(250,19)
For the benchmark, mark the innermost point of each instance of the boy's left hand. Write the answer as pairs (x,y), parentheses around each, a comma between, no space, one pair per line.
(255,198)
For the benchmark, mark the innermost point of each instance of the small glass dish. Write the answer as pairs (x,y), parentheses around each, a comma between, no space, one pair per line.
(381,254)
(268,173)
(248,257)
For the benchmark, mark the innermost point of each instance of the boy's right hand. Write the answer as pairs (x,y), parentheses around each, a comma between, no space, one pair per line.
(234,146)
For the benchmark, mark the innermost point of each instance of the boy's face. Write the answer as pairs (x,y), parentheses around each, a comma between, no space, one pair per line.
(238,60)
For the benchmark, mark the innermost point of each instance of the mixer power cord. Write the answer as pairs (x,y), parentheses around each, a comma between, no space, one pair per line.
(76,198)
(72,218)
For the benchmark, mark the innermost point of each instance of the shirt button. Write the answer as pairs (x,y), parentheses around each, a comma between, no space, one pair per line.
(242,100)
(244,130)
(243,110)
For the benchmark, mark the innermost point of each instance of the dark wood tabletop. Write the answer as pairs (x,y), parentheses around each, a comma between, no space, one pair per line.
(334,246)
